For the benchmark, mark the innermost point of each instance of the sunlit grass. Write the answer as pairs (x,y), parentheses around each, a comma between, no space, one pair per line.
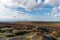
(2,34)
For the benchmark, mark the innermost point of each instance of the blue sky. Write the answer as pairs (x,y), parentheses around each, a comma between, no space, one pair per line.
(29,10)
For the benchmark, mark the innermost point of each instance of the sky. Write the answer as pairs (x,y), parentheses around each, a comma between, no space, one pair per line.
(29,10)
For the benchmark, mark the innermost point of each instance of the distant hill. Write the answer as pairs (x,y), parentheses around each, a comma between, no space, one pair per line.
(55,25)
(40,23)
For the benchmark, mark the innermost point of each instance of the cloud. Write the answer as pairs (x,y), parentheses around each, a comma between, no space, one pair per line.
(26,4)
(6,14)
(10,10)
(14,15)
(50,2)
(55,13)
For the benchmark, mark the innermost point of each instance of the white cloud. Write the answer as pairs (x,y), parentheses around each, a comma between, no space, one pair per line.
(10,15)
(55,13)
(27,4)
(52,2)
(59,7)
(54,9)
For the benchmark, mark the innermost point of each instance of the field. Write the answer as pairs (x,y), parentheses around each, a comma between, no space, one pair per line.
(23,25)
